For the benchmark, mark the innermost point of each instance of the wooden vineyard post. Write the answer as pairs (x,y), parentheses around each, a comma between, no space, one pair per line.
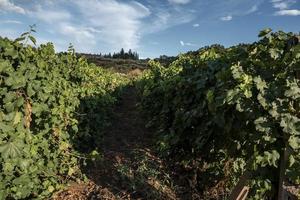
(241,190)
(282,193)
(283,160)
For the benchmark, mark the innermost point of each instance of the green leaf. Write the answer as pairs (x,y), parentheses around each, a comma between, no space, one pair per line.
(9,97)
(237,71)
(10,81)
(6,128)
(20,101)
(3,194)
(293,91)
(291,160)
(17,118)
(210,96)
(51,189)
(9,150)
(274,53)
(24,34)
(262,125)
(32,39)
(19,39)
(71,171)
(24,163)
(261,85)
(4,66)
(19,82)
(272,157)
(30,91)
(232,96)
(264,32)
(10,51)
(9,107)
(262,100)
(290,124)
(294,142)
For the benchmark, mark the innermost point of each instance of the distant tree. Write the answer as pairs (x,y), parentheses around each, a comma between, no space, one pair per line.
(130,55)
(126,56)
(122,53)
(136,56)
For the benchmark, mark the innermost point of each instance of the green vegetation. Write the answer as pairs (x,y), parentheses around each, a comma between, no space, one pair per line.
(120,55)
(223,111)
(218,112)
(43,98)
(117,65)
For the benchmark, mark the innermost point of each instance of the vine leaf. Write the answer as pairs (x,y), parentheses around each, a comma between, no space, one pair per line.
(17,118)
(264,32)
(32,39)
(9,150)
(294,142)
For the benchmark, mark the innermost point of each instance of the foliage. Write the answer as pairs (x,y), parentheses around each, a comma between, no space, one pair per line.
(40,95)
(236,106)
(99,89)
(119,55)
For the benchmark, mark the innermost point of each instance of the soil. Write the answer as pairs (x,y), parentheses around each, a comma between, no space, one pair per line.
(129,168)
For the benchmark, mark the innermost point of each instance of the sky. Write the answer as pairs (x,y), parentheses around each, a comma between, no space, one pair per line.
(150,27)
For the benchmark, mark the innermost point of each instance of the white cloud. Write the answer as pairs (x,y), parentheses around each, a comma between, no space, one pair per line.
(288,12)
(78,33)
(236,8)
(190,44)
(83,38)
(162,19)
(226,18)
(10,22)
(284,6)
(281,5)
(92,30)
(102,25)
(50,15)
(179,1)
(228,10)
(6,5)
(182,43)
(252,9)
(196,25)
(118,24)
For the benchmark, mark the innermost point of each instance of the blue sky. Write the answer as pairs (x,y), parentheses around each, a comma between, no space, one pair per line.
(151,27)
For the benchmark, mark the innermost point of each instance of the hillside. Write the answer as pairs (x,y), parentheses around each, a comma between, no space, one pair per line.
(117,64)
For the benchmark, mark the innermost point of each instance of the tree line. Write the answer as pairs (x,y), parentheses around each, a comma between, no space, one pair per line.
(122,55)
(116,55)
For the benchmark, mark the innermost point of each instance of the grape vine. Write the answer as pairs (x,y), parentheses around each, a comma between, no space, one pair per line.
(42,96)
(236,106)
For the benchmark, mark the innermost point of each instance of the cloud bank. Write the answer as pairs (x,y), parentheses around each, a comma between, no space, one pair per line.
(7,6)
(284,8)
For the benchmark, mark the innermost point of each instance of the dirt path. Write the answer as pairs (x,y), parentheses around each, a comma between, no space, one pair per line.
(129,168)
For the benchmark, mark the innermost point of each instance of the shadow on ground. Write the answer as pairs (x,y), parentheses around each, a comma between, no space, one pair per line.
(129,168)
